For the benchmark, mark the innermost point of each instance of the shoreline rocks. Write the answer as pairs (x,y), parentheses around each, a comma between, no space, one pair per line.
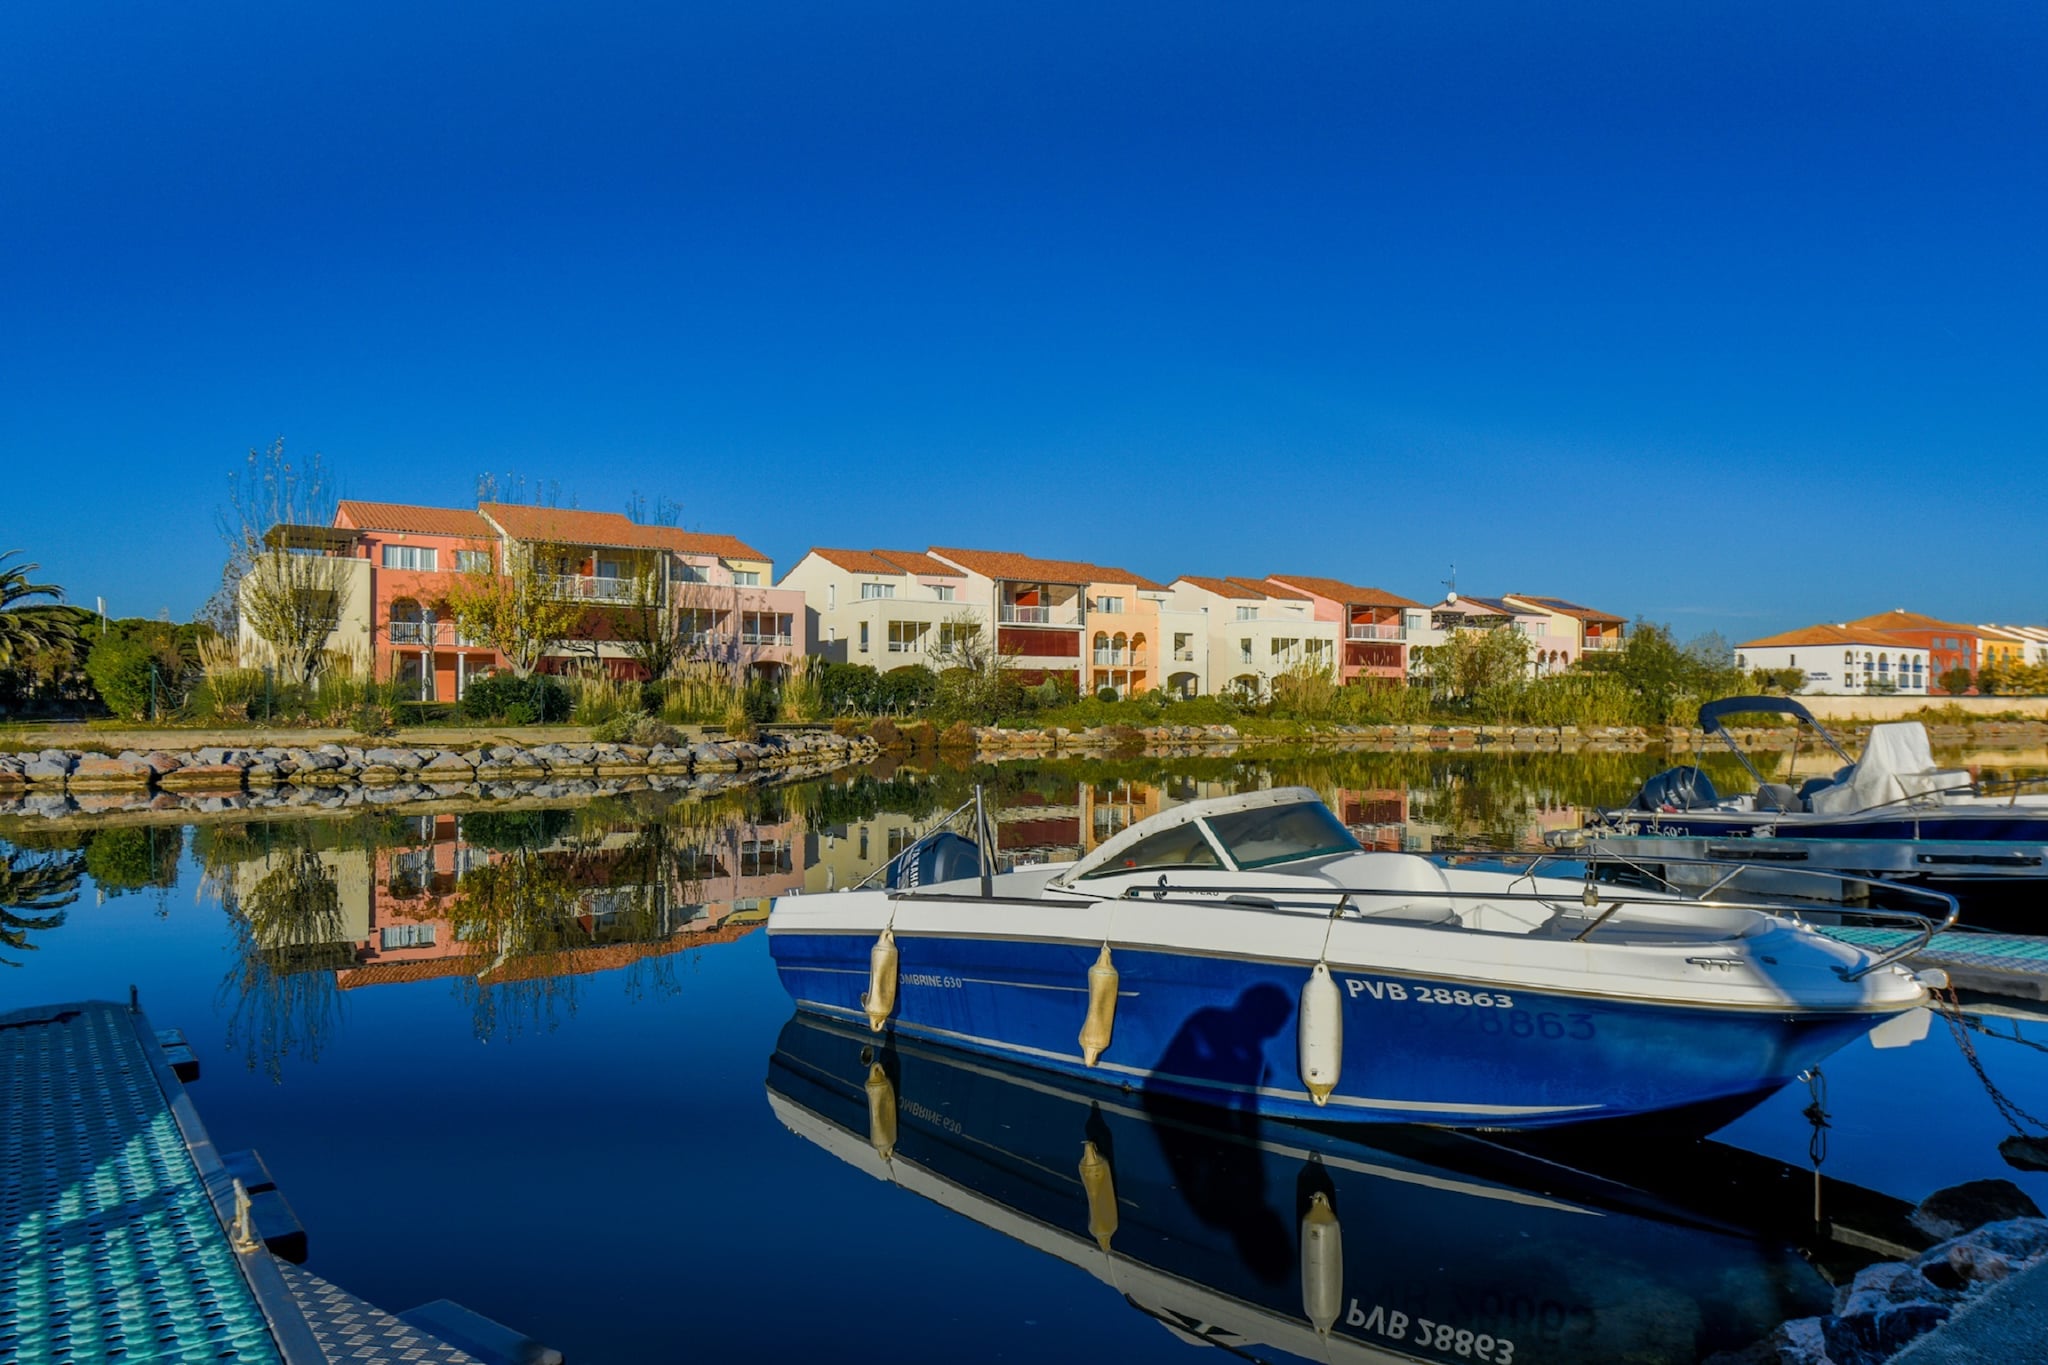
(57,773)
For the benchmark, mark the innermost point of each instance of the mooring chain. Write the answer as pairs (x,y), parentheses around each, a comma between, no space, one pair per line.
(1951,1009)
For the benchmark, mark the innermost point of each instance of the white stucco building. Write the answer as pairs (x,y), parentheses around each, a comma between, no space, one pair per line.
(884,608)
(1257,630)
(1841,661)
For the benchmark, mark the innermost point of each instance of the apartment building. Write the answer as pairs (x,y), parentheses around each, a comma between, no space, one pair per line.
(885,608)
(1548,652)
(1842,660)
(405,559)
(1569,631)
(1948,645)
(1047,613)
(1257,630)
(1374,624)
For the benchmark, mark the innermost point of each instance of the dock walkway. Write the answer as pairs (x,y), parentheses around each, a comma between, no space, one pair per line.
(2010,965)
(117,1218)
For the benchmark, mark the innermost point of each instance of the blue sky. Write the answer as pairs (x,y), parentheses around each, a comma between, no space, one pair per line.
(1732,315)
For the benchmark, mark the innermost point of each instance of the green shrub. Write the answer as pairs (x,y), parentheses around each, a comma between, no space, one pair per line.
(645,731)
(120,668)
(131,859)
(540,699)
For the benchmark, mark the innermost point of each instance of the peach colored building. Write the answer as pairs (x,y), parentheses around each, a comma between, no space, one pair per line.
(1048,611)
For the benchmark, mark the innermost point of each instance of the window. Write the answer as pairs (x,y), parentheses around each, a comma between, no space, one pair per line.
(610,568)
(906,637)
(869,591)
(943,591)
(1182,846)
(1247,613)
(1109,605)
(1281,834)
(421,558)
(472,561)
(408,936)
(1244,651)
(863,637)
(747,578)
(1183,646)
(831,597)
(682,571)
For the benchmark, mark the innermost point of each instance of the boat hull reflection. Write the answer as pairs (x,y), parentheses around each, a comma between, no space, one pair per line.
(1247,1233)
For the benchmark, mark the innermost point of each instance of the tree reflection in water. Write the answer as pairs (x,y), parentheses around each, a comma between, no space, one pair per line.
(285,909)
(35,886)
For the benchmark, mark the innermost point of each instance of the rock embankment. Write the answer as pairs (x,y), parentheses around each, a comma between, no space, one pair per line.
(341,765)
(1889,1306)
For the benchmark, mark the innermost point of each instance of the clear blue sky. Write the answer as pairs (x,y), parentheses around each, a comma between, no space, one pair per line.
(1728,315)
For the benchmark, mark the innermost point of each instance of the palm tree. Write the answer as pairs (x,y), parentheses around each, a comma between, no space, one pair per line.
(34,889)
(34,627)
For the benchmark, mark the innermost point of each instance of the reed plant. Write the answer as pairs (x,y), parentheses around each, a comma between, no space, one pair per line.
(803,690)
(697,693)
(596,696)
(230,683)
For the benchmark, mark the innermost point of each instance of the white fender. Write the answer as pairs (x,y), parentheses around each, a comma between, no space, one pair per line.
(880,1000)
(881,1112)
(1101,1021)
(1321,1033)
(1322,1264)
(1099,1183)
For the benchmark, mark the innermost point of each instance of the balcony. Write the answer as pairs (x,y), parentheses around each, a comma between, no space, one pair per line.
(1596,643)
(1010,614)
(412,632)
(1115,658)
(590,588)
(1375,630)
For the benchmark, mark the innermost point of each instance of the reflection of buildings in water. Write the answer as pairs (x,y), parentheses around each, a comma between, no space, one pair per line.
(399,906)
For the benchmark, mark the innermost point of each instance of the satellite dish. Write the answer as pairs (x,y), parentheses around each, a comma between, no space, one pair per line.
(1452,598)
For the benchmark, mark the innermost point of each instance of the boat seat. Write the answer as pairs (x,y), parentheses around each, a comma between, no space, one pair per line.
(1778,796)
(1389,874)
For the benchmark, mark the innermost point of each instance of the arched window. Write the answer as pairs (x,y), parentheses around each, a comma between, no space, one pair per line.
(1101,647)
(408,622)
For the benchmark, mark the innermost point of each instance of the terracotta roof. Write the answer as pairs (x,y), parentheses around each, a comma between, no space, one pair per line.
(1349,594)
(1244,589)
(399,516)
(567,962)
(1564,608)
(572,526)
(1823,635)
(893,562)
(1030,569)
(1902,619)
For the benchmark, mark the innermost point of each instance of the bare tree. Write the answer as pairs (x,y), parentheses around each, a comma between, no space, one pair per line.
(288,591)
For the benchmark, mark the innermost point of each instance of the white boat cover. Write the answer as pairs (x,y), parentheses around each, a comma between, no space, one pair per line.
(1897,763)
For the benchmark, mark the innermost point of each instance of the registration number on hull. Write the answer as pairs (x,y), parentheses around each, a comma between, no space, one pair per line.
(1427,995)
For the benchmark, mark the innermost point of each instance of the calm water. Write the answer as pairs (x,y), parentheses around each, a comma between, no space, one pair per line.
(526,1061)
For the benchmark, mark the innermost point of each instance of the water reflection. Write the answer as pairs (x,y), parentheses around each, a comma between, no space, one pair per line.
(1260,1237)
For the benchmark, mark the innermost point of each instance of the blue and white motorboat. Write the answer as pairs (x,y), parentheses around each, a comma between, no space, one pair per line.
(1245,951)
(1891,815)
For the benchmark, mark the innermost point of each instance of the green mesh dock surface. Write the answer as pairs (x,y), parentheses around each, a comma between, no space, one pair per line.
(1996,964)
(109,1245)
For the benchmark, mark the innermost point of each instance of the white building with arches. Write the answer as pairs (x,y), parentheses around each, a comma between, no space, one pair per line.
(1842,661)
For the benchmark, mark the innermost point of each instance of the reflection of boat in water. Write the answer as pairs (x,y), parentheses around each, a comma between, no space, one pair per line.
(1245,951)
(1240,1232)
(1889,813)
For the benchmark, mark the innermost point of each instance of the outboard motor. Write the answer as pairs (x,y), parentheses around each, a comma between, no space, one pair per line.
(1677,789)
(944,857)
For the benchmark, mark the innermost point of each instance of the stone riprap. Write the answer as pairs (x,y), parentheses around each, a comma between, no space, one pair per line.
(66,772)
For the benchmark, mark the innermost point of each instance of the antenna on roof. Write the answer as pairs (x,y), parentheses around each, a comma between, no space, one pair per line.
(1452,584)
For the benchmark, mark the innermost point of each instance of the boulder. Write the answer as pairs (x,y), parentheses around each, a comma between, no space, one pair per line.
(1961,1208)
(1886,1285)
(445,767)
(1874,1338)
(97,770)
(202,777)
(48,766)
(405,760)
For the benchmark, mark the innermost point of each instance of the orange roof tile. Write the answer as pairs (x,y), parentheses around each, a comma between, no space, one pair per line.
(893,562)
(1236,587)
(1901,619)
(1822,634)
(1336,590)
(398,516)
(1262,587)
(1027,568)
(573,526)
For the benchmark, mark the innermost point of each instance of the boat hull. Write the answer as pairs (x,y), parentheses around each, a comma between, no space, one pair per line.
(1224,1030)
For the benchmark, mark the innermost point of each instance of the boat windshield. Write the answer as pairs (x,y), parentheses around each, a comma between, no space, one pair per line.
(1181,846)
(1281,834)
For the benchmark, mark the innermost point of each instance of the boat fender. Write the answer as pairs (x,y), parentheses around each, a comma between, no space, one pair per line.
(1322,1264)
(1101,1020)
(1321,1033)
(880,999)
(1099,1183)
(881,1112)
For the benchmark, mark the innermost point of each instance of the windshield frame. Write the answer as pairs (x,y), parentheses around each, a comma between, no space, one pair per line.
(1349,842)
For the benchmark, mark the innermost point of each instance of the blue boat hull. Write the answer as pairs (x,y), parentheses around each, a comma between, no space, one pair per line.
(1224,1031)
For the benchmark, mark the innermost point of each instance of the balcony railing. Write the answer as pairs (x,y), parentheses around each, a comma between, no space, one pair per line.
(412,633)
(1114,658)
(589,588)
(1599,642)
(1376,630)
(764,637)
(1012,615)
(1184,656)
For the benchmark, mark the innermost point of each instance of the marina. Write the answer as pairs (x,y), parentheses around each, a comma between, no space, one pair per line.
(498,1026)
